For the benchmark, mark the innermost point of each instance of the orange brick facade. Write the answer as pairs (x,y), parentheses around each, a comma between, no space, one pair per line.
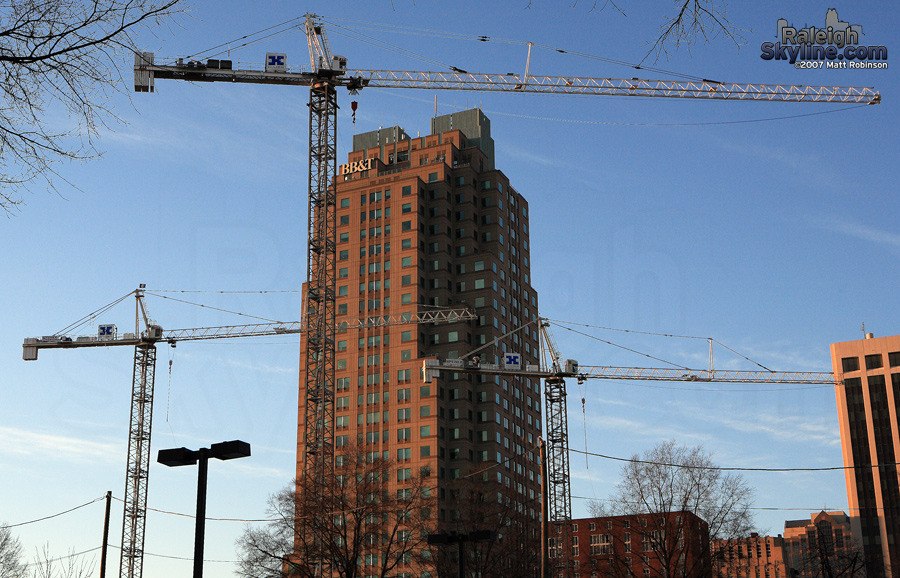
(426,223)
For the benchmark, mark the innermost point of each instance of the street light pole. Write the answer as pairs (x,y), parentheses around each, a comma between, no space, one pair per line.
(460,539)
(185,457)
(200,526)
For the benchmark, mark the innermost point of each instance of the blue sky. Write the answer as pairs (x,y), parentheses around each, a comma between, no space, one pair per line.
(776,237)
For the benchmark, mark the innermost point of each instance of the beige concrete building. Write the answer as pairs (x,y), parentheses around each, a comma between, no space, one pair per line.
(868,403)
(822,546)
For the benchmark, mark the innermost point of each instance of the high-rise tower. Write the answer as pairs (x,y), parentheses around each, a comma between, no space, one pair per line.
(868,402)
(428,222)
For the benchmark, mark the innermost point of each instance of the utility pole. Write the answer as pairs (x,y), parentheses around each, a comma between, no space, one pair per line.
(105,536)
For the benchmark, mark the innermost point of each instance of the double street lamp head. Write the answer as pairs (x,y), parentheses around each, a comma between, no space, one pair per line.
(222,451)
(185,457)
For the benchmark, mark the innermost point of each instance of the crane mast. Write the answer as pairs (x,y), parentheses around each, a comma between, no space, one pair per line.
(143,377)
(554,372)
(327,72)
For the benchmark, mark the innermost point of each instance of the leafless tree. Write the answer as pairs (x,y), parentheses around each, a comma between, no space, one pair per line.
(11,565)
(823,558)
(355,524)
(663,483)
(693,21)
(43,565)
(478,502)
(60,63)
(71,566)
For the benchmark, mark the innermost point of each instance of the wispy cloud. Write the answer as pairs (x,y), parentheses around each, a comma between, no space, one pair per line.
(256,471)
(31,443)
(794,428)
(261,367)
(858,230)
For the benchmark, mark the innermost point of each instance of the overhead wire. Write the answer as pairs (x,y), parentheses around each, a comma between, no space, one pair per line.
(731,468)
(756,508)
(54,515)
(189,559)
(73,555)
(225,292)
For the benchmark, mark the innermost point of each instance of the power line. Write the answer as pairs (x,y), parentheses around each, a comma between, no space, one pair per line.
(169,557)
(730,468)
(55,515)
(73,555)
(223,292)
(758,508)
(158,511)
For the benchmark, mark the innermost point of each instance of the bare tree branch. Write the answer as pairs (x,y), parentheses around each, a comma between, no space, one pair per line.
(11,565)
(59,62)
(355,524)
(666,481)
(694,20)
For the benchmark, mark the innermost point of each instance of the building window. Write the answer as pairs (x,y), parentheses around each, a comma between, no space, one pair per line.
(406,226)
(407,190)
(894,358)
(874,361)
(344,255)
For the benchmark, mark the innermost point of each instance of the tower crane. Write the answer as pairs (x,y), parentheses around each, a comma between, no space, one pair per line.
(328,72)
(147,333)
(554,374)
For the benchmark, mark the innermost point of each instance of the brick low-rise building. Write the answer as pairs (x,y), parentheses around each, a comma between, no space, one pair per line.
(664,545)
